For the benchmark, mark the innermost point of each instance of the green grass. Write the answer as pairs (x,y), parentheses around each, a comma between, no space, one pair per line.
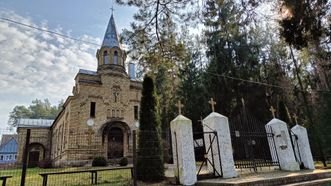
(319,164)
(112,177)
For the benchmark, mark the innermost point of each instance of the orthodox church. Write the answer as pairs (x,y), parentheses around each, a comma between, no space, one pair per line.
(97,120)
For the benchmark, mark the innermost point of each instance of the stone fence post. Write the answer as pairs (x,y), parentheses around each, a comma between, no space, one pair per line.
(282,145)
(302,147)
(183,150)
(221,150)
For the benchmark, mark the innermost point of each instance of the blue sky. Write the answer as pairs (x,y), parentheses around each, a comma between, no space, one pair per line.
(81,17)
(40,65)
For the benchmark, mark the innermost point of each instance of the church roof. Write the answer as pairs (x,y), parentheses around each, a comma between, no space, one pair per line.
(111,38)
(34,123)
(88,72)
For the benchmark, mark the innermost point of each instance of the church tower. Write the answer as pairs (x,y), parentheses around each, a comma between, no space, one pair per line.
(111,56)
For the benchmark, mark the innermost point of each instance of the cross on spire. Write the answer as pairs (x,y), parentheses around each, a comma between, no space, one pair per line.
(295,118)
(112,9)
(179,105)
(273,111)
(212,103)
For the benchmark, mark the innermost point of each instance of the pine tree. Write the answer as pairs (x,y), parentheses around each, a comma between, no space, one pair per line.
(150,159)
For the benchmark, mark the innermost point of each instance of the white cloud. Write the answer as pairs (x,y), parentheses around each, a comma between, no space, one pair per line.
(36,64)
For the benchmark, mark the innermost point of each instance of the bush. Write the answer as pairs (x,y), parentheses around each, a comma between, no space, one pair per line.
(149,139)
(124,161)
(45,163)
(99,162)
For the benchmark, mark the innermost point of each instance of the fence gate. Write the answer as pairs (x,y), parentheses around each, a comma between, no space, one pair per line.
(253,147)
(207,155)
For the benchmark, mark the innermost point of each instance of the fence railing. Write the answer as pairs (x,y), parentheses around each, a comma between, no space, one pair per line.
(32,158)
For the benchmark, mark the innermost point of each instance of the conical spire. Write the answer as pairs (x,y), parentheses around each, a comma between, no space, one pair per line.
(111,38)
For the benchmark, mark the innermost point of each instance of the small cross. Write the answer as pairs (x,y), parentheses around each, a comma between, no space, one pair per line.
(295,118)
(112,9)
(201,121)
(89,132)
(179,105)
(212,103)
(273,111)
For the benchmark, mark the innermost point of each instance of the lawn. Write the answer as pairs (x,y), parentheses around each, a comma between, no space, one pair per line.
(319,164)
(113,177)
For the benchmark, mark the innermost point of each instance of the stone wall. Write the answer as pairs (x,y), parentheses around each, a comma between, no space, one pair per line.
(37,136)
(70,131)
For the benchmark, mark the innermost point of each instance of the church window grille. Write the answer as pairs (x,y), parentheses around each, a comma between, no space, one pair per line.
(118,113)
(136,113)
(105,58)
(115,57)
(92,109)
(113,113)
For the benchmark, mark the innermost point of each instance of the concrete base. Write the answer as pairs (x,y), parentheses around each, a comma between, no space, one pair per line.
(273,178)
(292,166)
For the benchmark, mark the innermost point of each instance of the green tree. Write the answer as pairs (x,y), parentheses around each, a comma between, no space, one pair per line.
(303,28)
(233,52)
(38,109)
(150,158)
(283,114)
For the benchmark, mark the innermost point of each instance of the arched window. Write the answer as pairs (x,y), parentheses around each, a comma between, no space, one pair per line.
(105,57)
(115,58)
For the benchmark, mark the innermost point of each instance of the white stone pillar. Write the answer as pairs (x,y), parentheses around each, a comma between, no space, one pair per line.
(222,155)
(302,147)
(183,150)
(282,145)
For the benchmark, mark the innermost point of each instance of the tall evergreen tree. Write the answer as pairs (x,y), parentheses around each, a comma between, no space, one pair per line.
(232,52)
(150,160)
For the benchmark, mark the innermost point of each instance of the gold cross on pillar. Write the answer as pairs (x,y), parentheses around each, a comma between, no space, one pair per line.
(179,105)
(273,111)
(295,118)
(212,103)
(89,132)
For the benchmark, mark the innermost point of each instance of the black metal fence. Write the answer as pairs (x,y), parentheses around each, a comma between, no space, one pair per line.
(207,155)
(35,157)
(253,147)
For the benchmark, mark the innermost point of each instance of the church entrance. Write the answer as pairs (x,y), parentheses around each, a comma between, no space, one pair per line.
(115,143)
(35,154)
(33,159)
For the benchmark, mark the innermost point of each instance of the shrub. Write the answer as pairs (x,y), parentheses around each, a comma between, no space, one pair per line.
(99,162)
(45,163)
(124,161)
(149,139)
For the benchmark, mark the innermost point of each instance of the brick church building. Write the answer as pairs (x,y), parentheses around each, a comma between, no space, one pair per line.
(97,120)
